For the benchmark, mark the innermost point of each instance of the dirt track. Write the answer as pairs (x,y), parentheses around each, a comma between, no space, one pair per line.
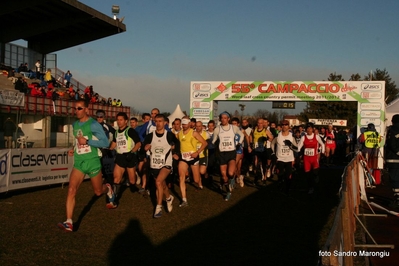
(257,226)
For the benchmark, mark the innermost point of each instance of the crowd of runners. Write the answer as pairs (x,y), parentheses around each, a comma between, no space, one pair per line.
(159,153)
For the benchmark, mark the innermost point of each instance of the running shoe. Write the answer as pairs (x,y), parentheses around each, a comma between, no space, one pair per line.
(67,227)
(169,204)
(158,213)
(184,204)
(232,183)
(241,181)
(110,193)
(142,191)
(228,196)
(112,205)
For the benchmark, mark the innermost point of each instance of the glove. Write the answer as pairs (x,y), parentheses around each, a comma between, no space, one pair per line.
(288,142)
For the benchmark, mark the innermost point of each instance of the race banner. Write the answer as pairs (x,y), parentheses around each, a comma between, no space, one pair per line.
(12,97)
(4,169)
(38,167)
(370,96)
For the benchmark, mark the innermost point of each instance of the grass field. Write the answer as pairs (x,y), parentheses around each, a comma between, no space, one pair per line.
(257,226)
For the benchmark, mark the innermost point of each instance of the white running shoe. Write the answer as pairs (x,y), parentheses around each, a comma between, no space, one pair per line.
(169,204)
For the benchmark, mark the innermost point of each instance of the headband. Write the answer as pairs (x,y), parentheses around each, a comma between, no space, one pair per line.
(225,113)
(185,121)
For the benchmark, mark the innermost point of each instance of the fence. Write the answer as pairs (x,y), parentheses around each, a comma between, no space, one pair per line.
(341,239)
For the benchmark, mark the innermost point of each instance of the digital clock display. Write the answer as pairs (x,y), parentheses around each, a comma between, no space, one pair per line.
(283,105)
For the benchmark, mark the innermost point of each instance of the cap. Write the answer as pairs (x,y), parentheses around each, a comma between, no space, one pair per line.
(371,127)
(185,121)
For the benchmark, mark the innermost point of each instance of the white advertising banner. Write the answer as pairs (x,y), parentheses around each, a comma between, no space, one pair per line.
(4,169)
(38,167)
(12,97)
(326,122)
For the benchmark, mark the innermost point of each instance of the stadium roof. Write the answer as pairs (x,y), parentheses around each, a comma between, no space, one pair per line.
(53,25)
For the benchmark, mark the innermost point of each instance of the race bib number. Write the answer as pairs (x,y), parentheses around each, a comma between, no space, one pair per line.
(121,143)
(309,152)
(157,161)
(187,156)
(329,141)
(285,151)
(82,149)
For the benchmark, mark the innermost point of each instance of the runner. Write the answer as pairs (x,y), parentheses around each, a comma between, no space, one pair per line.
(108,154)
(127,143)
(311,143)
(210,171)
(330,144)
(162,145)
(89,137)
(226,133)
(283,146)
(240,151)
(189,156)
(203,157)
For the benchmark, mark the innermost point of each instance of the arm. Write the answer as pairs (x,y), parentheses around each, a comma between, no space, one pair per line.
(98,132)
(204,144)
(147,142)
(215,135)
(133,134)
(175,143)
(239,132)
(274,141)
(321,143)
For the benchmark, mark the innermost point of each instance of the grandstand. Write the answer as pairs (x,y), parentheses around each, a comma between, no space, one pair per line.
(47,123)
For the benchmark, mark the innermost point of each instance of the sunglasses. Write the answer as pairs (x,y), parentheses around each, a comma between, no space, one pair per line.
(78,108)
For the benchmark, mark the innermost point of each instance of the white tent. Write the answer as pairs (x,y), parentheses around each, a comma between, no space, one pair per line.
(177,113)
(391,110)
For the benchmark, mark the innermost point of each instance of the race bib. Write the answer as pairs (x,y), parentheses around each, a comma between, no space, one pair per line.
(285,151)
(309,152)
(82,149)
(121,143)
(187,156)
(157,161)
(329,141)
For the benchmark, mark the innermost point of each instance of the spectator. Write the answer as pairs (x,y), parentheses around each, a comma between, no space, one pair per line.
(118,103)
(47,76)
(114,102)
(9,129)
(109,101)
(19,84)
(38,68)
(67,78)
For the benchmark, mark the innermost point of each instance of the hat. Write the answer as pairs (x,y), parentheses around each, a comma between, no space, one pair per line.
(285,122)
(185,121)
(395,119)
(371,127)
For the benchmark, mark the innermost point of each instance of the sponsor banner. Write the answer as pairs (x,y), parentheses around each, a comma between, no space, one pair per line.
(325,122)
(365,121)
(370,114)
(201,112)
(38,167)
(370,106)
(204,120)
(12,97)
(371,95)
(4,169)
(201,94)
(197,104)
(201,86)
(370,86)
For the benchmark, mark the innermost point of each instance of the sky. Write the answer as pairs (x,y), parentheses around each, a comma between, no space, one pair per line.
(167,44)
